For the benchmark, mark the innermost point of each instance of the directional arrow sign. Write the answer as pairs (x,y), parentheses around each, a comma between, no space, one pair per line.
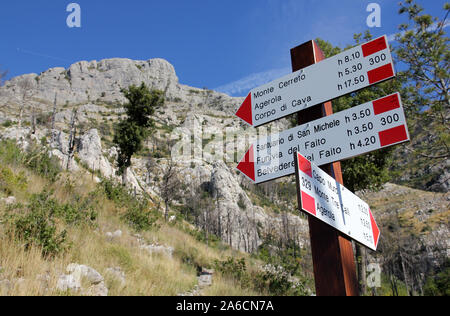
(352,70)
(353,132)
(323,197)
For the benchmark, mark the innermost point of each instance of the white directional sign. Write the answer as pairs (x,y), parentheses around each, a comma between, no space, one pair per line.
(346,134)
(352,70)
(323,197)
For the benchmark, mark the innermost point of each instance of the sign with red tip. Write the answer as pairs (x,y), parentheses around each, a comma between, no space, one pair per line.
(346,134)
(247,164)
(347,72)
(321,196)
(245,111)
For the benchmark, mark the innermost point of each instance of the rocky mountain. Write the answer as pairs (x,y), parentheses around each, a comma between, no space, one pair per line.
(72,112)
(202,119)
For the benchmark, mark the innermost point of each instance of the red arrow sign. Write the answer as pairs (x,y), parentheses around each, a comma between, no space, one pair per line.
(346,134)
(375,229)
(326,199)
(245,111)
(349,71)
(247,164)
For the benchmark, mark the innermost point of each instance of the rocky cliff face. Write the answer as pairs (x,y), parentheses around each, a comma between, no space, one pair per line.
(89,94)
(196,127)
(88,82)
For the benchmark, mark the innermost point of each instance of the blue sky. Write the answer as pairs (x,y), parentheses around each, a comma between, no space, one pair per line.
(228,44)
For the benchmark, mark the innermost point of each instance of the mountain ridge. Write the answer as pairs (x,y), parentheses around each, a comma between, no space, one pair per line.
(217,199)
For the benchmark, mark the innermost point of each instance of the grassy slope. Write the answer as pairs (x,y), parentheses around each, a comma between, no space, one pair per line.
(145,274)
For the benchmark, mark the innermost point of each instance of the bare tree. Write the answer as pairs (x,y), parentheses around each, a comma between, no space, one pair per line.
(54,112)
(362,267)
(170,185)
(71,149)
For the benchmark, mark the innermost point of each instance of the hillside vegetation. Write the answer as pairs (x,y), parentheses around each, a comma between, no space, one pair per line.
(69,139)
(59,218)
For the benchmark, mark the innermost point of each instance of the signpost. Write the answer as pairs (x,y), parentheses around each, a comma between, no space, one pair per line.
(321,196)
(352,70)
(336,214)
(356,131)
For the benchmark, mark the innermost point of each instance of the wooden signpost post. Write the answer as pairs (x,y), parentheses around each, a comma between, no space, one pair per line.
(333,260)
(335,214)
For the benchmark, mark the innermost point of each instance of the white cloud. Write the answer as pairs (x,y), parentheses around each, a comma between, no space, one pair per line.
(242,86)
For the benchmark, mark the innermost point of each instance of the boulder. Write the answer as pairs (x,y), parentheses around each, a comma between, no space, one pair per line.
(115,235)
(68,282)
(90,153)
(9,200)
(158,249)
(78,273)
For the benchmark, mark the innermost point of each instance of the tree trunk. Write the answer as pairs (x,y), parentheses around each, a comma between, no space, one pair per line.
(125,177)
(20,116)
(53,115)
(205,227)
(361,264)
(394,285)
(166,212)
(405,275)
(33,122)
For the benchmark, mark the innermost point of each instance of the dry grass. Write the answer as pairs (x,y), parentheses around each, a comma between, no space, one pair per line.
(31,274)
(227,287)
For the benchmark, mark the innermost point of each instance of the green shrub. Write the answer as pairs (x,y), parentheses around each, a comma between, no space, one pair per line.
(190,257)
(116,192)
(273,280)
(234,268)
(10,181)
(79,211)
(76,214)
(34,158)
(139,218)
(10,153)
(8,123)
(137,214)
(40,162)
(278,282)
(37,228)
(35,223)
(439,284)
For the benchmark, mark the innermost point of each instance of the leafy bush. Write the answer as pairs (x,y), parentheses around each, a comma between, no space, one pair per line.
(139,218)
(10,153)
(34,158)
(40,162)
(137,214)
(287,257)
(38,228)
(273,280)
(10,181)
(190,256)
(279,282)
(439,284)
(8,123)
(36,223)
(115,192)
(234,268)
(75,213)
